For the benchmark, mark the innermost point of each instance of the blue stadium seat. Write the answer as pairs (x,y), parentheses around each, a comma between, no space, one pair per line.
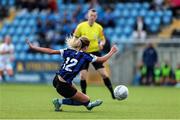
(118,31)
(125,13)
(109,31)
(167,17)
(148,21)
(1,38)
(4,31)
(23,22)
(145,6)
(22,38)
(19,47)
(127,31)
(32,38)
(159,13)
(38,56)
(56,57)
(137,6)
(46,57)
(85,8)
(4,2)
(6,25)
(25,47)
(32,23)
(27,16)
(114,39)
(119,6)
(11,2)
(71,7)
(157,21)
(19,31)
(143,12)
(11,31)
(130,22)
(27,31)
(151,14)
(134,13)
(128,6)
(121,22)
(116,13)
(30,56)
(123,38)
(154,28)
(15,39)
(58,47)
(16,22)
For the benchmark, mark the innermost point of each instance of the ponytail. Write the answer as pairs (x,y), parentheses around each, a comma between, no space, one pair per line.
(77,44)
(72,42)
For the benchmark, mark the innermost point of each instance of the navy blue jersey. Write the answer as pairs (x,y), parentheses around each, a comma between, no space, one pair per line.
(73,63)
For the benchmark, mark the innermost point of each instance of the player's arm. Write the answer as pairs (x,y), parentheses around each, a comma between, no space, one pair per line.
(2,52)
(108,55)
(42,49)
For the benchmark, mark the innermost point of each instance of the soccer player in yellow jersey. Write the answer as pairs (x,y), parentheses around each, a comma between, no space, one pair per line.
(94,32)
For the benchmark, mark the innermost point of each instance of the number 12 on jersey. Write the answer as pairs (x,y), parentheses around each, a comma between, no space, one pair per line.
(69,63)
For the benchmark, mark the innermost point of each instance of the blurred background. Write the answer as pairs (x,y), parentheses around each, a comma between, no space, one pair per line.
(147,33)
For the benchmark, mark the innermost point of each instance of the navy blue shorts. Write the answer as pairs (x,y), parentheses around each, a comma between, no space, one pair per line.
(63,88)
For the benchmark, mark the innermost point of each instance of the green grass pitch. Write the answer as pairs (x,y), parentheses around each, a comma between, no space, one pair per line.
(28,101)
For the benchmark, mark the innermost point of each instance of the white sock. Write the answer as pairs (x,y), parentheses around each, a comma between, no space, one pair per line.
(60,101)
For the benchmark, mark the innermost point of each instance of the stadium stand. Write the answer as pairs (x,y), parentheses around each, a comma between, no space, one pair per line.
(24,24)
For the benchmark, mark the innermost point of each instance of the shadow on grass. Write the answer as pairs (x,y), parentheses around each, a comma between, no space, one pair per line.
(76,111)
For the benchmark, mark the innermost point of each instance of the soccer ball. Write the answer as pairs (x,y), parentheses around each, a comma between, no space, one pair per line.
(121,92)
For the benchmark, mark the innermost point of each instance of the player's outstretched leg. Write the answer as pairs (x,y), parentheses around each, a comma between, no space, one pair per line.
(56,103)
(93,104)
(67,101)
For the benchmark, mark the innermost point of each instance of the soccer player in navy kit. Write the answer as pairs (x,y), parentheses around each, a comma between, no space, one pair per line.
(74,59)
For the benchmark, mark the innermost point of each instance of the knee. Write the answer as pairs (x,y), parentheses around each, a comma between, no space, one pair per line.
(83,75)
(104,75)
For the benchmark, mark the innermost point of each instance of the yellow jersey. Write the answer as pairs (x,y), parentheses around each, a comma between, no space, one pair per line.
(94,33)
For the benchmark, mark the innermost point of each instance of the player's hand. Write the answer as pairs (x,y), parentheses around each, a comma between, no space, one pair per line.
(114,49)
(30,44)
(101,45)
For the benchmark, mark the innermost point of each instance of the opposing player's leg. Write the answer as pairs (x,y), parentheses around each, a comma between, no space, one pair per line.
(2,69)
(106,80)
(8,73)
(83,77)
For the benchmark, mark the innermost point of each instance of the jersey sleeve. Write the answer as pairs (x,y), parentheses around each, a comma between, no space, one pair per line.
(61,52)
(77,32)
(91,58)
